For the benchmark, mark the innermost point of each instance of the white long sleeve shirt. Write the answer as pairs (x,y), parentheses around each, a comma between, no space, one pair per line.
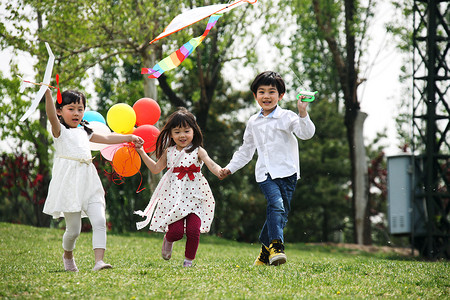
(273,137)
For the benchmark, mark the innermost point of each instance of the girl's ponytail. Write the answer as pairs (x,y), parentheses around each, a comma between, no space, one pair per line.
(88,130)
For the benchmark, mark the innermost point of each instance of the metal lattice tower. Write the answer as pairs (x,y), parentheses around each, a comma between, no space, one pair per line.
(431,126)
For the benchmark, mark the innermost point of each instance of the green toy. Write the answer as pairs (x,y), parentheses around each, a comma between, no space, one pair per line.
(310,96)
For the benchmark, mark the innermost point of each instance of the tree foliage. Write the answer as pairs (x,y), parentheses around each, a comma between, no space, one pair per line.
(25,167)
(104,44)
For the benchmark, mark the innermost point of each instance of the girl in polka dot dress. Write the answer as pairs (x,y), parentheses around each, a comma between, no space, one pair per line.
(183,199)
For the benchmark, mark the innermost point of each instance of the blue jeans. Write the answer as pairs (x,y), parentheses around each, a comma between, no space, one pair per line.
(278,193)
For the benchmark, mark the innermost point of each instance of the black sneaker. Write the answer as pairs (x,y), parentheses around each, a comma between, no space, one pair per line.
(263,258)
(276,253)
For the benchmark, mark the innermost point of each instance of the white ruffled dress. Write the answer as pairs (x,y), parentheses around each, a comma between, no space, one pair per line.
(75,182)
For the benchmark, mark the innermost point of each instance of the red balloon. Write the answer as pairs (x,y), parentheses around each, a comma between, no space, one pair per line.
(149,133)
(126,161)
(147,111)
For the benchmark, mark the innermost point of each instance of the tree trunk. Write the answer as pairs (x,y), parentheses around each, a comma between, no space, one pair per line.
(354,118)
(150,91)
(355,124)
(360,182)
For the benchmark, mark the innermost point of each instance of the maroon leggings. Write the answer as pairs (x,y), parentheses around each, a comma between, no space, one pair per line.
(176,231)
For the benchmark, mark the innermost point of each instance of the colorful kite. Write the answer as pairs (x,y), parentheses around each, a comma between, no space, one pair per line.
(174,60)
(182,21)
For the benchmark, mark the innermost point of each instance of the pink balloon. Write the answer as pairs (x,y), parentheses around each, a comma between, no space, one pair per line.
(109,151)
(147,111)
(149,133)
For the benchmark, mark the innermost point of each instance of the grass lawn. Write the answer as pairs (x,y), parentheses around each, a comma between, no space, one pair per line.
(31,267)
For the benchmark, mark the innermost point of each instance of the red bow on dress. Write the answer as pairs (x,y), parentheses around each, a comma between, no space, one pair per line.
(187,170)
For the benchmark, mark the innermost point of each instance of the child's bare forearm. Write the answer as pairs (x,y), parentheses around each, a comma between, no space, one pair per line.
(213,167)
(153,166)
(115,138)
(52,116)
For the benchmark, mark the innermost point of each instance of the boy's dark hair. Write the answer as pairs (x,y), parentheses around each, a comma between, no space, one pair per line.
(181,117)
(69,97)
(268,78)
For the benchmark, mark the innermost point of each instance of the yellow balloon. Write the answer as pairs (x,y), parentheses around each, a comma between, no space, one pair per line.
(121,118)
(131,131)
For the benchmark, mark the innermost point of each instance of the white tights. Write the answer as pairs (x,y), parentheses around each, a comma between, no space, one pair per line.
(96,214)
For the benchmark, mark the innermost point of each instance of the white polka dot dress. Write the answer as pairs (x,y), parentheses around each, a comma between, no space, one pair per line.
(179,197)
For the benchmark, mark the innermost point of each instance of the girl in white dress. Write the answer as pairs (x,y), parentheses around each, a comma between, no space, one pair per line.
(183,199)
(75,190)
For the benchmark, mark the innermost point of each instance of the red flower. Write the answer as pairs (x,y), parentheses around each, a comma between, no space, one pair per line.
(39,178)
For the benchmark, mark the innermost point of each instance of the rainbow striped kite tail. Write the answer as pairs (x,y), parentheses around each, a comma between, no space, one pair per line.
(177,57)
(153,73)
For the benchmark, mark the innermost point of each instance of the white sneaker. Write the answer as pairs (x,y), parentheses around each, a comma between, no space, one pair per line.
(187,263)
(166,251)
(69,264)
(100,265)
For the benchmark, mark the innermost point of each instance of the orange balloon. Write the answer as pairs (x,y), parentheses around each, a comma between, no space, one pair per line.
(126,161)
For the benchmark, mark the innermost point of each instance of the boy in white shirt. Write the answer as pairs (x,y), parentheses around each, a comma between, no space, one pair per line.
(271,132)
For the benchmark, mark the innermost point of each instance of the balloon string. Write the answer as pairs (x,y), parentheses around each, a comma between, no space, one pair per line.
(118,179)
(115,177)
(140,183)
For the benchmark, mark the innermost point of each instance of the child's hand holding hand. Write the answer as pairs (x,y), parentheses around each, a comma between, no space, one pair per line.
(223,173)
(137,141)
